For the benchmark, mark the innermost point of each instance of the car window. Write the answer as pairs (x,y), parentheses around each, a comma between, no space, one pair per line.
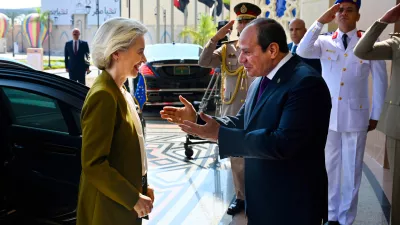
(34,110)
(77,117)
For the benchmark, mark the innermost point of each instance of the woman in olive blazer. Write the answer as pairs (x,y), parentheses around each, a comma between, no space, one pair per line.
(389,122)
(114,163)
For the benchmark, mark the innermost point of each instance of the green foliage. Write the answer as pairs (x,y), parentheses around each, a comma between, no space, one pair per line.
(206,29)
(55,63)
(44,17)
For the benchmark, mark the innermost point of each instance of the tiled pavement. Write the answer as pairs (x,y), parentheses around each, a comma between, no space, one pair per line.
(199,191)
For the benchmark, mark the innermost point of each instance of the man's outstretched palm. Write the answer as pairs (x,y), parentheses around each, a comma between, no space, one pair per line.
(179,114)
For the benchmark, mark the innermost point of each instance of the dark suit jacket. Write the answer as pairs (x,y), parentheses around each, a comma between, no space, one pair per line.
(79,62)
(282,138)
(314,63)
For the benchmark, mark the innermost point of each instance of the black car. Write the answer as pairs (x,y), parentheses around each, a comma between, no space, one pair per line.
(40,146)
(173,69)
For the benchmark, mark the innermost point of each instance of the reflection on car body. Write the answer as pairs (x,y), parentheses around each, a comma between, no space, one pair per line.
(171,70)
(40,145)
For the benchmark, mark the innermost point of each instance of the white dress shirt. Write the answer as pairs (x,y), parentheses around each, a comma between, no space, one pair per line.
(280,64)
(77,45)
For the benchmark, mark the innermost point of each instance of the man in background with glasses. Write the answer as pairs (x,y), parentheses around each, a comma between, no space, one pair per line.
(347,78)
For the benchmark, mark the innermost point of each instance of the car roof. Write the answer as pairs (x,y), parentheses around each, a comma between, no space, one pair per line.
(171,51)
(46,79)
(12,63)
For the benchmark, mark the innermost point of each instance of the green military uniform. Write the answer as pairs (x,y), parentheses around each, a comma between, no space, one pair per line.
(234,81)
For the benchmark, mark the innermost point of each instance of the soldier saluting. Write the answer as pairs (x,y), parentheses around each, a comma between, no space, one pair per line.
(352,116)
(234,83)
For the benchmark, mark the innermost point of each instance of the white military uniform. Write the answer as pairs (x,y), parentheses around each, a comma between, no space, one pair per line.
(347,79)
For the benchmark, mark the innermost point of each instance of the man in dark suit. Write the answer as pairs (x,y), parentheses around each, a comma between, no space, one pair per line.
(297,29)
(280,130)
(77,58)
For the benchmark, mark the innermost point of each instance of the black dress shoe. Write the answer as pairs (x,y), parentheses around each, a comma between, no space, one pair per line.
(332,223)
(236,207)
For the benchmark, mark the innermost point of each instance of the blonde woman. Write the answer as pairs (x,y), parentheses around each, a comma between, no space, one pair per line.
(113,187)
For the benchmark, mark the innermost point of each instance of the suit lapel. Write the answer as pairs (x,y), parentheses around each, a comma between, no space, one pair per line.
(273,84)
(72,46)
(79,47)
(281,76)
(252,98)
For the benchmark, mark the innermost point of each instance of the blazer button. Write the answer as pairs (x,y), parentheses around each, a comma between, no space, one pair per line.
(390,102)
(361,61)
(341,84)
(242,101)
(329,58)
(344,69)
(340,98)
(360,106)
(345,55)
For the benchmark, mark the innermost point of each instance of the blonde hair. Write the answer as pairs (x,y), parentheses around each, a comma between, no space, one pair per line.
(116,34)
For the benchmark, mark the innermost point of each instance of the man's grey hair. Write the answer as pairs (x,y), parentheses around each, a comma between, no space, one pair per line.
(116,34)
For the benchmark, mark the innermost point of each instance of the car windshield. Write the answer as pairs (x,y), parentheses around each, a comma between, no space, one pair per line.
(172,51)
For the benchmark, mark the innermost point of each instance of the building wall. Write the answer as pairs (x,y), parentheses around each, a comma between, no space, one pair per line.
(272,12)
(310,11)
(172,32)
(61,33)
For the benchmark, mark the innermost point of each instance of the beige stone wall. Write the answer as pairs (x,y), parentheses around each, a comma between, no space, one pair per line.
(311,10)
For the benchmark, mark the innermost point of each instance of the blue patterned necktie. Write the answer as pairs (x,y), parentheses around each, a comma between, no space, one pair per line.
(263,84)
